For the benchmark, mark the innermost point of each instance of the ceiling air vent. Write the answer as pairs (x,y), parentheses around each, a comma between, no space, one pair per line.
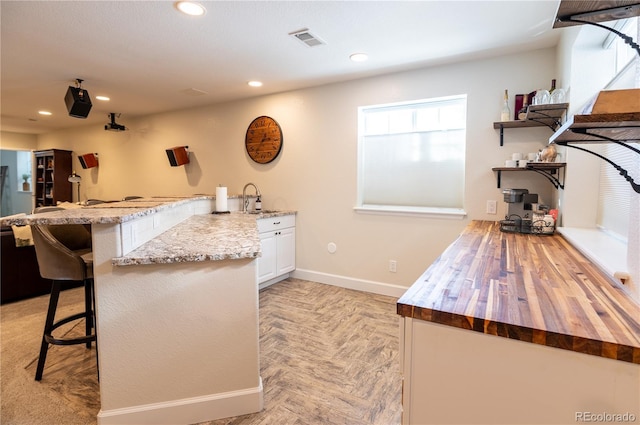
(304,36)
(194,92)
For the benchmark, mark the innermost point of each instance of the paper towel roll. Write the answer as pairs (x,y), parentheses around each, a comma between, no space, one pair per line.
(221,199)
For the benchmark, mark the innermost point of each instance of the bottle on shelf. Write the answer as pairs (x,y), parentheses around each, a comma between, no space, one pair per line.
(505,114)
(553,86)
(522,113)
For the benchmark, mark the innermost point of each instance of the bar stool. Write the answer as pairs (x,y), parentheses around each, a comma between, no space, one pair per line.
(64,256)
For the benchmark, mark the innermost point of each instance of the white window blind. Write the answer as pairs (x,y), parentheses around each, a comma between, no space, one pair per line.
(615,194)
(413,154)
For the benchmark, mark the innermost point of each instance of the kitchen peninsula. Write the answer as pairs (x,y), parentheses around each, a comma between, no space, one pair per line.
(517,329)
(177,308)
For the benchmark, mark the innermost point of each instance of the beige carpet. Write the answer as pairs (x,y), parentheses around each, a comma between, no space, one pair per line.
(328,356)
(68,393)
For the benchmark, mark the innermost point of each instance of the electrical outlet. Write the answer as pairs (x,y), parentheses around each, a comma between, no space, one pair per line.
(393,265)
(492,207)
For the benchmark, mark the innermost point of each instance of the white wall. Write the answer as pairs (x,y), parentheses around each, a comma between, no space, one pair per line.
(18,141)
(316,171)
(583,50)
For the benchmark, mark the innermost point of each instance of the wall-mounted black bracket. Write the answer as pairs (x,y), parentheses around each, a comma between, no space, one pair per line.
(613,13)
(624,173)
(619,129)
(548,115)
(547,120)
(582,131)
(552,171)
(549,174)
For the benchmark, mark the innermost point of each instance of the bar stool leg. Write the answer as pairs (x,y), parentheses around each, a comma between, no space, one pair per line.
(48,326)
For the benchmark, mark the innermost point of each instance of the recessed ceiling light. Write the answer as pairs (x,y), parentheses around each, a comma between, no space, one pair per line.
(105,98)
(255,83)
(44,113)
(191,8)
(359,57)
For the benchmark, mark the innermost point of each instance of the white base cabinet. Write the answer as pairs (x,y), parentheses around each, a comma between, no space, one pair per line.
(278,240)
(458,376)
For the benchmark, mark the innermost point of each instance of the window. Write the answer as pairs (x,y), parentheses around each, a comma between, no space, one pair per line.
(615,193)
(23,168)
(623,52)
(411,156)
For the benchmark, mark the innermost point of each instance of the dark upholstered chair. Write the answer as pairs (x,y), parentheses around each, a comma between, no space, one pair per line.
(64,256)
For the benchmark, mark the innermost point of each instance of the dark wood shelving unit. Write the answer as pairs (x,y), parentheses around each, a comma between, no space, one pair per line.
(550,170)
(550,115)
(53,168)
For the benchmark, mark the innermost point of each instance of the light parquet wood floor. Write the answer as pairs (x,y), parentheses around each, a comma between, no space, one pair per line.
(328,356)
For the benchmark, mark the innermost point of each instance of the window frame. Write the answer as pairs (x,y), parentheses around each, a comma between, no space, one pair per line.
(402,210)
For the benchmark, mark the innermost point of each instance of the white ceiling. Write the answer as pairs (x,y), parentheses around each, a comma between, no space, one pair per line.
(147,57)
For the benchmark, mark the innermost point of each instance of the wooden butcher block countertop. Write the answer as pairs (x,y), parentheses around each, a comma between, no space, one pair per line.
(532,288)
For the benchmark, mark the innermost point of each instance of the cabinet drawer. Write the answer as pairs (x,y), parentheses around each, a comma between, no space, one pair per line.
(274,223)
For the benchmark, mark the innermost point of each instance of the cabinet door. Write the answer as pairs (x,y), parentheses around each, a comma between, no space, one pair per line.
(286,248)
(267,262)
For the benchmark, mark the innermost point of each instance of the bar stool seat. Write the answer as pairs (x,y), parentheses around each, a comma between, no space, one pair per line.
(64,256)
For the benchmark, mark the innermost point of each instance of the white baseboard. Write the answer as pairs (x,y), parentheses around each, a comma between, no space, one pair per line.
(380,288)
(189,410)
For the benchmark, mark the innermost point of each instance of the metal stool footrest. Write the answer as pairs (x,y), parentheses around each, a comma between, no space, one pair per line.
(68,341)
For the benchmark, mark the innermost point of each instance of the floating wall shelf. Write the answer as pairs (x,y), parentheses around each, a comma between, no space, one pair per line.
(573,12)
(551,170)
(618,128)
(599,128)
(550,115)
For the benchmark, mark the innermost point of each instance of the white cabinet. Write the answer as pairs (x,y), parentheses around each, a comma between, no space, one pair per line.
(442,365)
(278,241)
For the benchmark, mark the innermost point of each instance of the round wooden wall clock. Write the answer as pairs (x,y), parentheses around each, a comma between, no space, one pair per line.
(263,140)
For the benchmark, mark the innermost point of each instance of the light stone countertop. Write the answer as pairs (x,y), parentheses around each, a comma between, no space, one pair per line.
(106,213)
(208,237)
(202,237)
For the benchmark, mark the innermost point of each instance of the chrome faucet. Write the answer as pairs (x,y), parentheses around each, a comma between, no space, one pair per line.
(245,200)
